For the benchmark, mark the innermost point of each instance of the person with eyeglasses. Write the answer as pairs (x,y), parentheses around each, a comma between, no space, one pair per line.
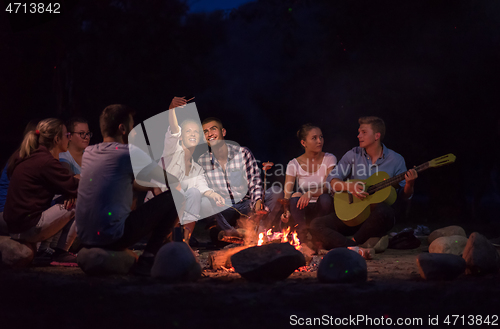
(78,141)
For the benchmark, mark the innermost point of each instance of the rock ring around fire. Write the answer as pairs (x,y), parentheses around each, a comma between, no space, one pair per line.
(341,265)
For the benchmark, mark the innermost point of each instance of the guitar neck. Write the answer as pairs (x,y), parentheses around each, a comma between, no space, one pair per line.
(394,180)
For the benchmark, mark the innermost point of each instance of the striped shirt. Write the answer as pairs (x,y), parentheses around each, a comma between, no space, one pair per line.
(241,179)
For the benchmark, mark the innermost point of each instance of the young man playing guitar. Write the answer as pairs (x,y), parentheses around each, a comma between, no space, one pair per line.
(370,157)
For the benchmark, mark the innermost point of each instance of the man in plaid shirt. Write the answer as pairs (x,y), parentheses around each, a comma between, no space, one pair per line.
(232,171)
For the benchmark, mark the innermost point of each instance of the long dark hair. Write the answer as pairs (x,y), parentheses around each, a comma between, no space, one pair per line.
(304,130)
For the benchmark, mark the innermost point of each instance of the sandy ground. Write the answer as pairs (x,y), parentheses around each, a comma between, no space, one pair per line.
(51,297)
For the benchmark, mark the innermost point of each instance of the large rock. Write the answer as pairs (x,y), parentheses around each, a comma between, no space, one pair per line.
(14,254)
(176,262)
(270,262)
(446,231)
(341,265)
(98,261)
(454,245)
(480,255)
(440,266)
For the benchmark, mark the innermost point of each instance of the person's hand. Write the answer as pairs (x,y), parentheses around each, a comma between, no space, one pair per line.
(285,216)
(358,190)
(410,176)
(303,201)
(219,200)
(176,186)
(69,203)
(177,102)
(156,191)
(258,206)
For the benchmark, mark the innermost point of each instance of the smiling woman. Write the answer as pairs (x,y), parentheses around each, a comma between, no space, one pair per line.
(190,133)
(177,158)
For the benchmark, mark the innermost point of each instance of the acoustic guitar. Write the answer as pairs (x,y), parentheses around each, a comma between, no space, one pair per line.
(380,188)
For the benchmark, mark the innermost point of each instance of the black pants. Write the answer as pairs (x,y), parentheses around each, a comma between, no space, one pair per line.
(157,216)
(331,232)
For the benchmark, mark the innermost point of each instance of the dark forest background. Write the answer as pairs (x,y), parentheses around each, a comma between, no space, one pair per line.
(428,68)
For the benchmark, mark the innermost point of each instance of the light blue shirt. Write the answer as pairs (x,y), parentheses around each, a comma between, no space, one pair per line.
(66,157)
(356,164)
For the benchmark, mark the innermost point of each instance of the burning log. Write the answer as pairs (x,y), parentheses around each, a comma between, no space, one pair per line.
(308,254)
(268,262)
(231,237)
(220,259)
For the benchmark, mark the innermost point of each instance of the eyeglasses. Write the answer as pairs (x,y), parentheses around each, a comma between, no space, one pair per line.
(83,134)
(68,134)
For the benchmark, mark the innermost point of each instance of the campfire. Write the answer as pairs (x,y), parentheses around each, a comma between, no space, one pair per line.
(221,259)
(278,237)
(247,237)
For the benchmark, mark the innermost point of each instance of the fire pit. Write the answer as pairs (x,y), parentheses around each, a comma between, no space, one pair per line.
(221,259)
(269,262)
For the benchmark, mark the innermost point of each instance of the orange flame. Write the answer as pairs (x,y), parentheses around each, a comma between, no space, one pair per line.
(295,241)
(261,239)
(285,234)
(282,236)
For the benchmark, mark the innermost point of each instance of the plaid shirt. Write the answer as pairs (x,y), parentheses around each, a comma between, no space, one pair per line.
(240,180)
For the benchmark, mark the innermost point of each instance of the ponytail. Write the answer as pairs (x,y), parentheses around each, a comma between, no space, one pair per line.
(45,134)
(30,127)
(29,144)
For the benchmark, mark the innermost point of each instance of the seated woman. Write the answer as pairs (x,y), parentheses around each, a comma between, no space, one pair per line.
(78,141)
(178,161)
(79,138)
(4,179)
(35,177)
(308,173)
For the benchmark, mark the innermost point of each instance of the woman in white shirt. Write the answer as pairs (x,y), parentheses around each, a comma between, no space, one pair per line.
(307,173)
(178,161)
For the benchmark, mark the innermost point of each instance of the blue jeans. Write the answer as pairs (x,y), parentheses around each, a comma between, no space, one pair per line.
(322,207)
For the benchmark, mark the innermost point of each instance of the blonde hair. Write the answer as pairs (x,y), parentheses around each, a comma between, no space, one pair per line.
(185,122)
(48,130)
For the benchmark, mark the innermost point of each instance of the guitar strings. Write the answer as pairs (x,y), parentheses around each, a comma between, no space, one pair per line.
(381,185)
